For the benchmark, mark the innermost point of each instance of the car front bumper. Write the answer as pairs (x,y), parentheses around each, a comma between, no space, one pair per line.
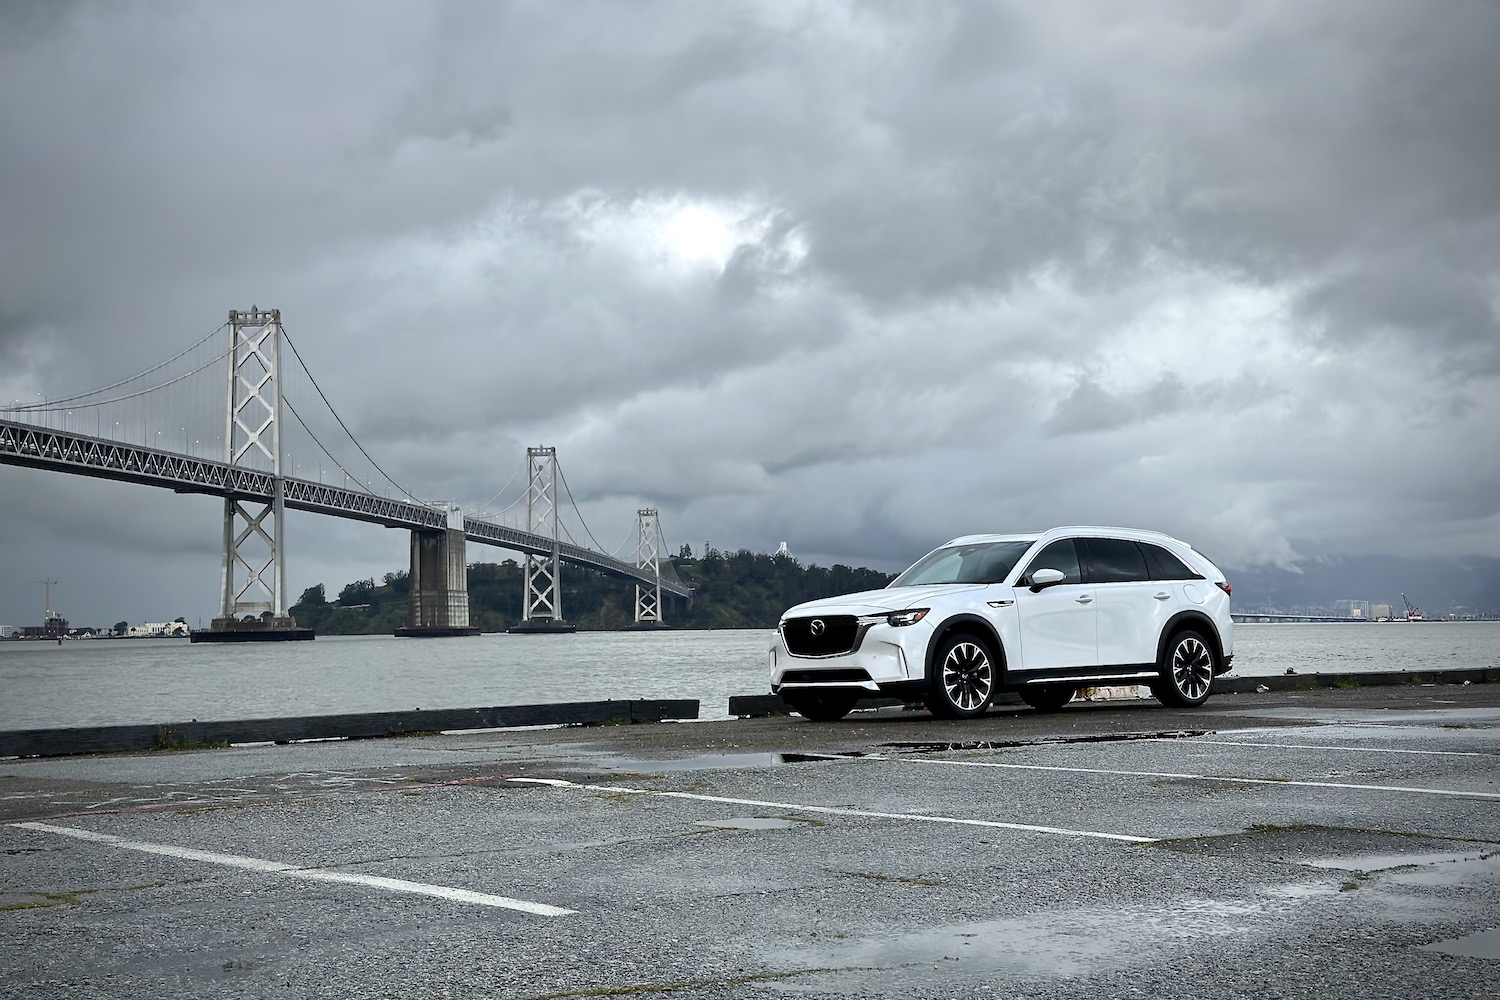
(885,656)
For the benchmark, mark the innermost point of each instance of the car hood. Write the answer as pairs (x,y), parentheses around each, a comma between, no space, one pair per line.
(875,601)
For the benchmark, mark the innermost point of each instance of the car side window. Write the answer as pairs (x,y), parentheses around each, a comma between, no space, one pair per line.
(1164,565)
(1115,560)
(1061,554)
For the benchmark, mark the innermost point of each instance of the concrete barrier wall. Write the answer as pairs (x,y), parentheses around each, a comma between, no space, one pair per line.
(760,705)
(165,736)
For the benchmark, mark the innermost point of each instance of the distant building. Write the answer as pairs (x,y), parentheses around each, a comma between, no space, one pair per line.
(55,628)
(1380,612)
(9,632)
(1351,609)
(157,629)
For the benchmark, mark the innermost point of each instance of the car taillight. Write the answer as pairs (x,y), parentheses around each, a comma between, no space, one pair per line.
(1224,586)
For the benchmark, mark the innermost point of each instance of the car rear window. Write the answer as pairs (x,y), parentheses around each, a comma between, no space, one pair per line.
(1115,560)
(1164,565)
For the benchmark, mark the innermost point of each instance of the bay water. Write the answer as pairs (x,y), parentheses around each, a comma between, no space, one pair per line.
(124,681)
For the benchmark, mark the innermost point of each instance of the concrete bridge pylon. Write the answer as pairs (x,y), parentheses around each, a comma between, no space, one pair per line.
(438,604)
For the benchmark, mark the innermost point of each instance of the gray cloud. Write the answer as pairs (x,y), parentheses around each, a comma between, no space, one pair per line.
(854,276)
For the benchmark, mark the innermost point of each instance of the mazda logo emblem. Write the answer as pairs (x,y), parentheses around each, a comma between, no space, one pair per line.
(817,626)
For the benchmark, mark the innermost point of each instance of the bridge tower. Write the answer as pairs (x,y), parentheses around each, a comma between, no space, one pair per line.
(542,609)
(648,557)
(253,579)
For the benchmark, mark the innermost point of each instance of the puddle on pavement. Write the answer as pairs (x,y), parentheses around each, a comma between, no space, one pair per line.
(1423,718)
(718,761)
(751,823)
(939,746)
(1480,944)
(1409,859)
(1058,944)
(1384,862)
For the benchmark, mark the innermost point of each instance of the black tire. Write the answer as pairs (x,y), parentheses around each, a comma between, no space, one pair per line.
(821,707)
(1048,697)
(1187,669)
(964,675)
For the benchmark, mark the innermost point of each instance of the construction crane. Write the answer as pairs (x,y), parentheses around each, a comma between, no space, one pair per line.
(49,584)
(1413,613)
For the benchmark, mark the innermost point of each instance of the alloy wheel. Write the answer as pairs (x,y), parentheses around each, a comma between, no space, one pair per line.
(1192,668)
(968,676)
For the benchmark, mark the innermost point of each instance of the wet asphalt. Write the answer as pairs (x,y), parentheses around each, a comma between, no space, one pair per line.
(1331,843)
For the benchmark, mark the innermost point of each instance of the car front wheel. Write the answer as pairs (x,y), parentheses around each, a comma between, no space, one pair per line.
(1187,671)
(963,678)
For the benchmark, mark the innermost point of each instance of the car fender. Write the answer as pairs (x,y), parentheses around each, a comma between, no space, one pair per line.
(965,623)
(1199,621)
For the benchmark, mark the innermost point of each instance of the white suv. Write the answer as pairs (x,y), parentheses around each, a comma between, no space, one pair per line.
(1042,614)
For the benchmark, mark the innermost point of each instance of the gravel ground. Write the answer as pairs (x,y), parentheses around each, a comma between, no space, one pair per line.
(1337,843)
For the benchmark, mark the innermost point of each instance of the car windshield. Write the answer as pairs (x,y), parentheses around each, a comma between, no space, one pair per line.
(978,562)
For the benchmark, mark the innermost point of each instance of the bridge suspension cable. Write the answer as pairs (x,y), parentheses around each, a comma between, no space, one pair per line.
(344,427)
(564,477)
(71,403)
(485,506)
(54,404)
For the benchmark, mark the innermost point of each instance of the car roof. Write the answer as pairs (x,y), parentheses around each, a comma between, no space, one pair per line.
(1105,531)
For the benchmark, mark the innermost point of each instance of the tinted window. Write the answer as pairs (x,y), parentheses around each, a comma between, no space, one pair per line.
(1115,560)
(982,562)
(1164,565)
(1061,554)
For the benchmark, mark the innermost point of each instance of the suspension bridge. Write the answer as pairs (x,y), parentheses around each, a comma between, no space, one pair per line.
(245,420)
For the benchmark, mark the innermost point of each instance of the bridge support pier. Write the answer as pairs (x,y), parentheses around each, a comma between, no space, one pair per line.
(438,604)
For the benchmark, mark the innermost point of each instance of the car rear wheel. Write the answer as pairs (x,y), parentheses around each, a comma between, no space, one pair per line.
(963,678)
(1187,671)
(1047,698)
(821,707)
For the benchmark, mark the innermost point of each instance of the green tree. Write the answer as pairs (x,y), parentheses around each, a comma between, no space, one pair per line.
(358,592)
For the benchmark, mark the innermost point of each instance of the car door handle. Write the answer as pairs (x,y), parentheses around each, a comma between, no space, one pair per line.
(1083,599)
(1162,597)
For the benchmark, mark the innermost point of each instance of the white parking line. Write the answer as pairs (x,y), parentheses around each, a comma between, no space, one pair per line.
(836,810)
(1452,793)
(306,874)
(1319,746)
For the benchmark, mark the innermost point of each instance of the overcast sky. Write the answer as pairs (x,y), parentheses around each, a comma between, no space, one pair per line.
(857,277)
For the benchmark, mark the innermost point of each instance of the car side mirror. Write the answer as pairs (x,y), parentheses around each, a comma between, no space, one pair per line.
(1044,578)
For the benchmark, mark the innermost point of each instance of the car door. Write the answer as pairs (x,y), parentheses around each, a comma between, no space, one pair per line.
(1132,607)
(1057,623)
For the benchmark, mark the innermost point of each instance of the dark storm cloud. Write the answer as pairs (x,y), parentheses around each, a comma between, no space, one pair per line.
(853,276)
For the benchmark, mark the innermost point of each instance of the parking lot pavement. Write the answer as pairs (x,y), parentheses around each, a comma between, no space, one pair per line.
(1343,843)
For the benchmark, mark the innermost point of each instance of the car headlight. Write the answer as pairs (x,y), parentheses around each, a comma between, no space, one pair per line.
(897,618)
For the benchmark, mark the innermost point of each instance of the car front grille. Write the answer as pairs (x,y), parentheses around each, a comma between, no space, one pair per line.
(826,635)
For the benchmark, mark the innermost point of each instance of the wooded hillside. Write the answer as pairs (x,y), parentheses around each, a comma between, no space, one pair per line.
(733,590)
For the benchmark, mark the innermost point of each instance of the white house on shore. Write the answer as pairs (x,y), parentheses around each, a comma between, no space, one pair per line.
(151,629)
